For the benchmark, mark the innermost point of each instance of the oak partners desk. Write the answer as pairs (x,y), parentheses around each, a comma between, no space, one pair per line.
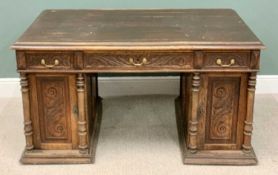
(62,52)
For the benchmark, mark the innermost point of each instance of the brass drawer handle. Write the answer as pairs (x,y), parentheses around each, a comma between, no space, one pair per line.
(219,62)
(56,63)
(144,61)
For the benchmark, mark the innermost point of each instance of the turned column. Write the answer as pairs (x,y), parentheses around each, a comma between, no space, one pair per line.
(82,123)
(28,129)
(248,123)
(193,121)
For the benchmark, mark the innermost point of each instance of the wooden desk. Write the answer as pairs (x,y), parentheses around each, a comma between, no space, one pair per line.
(61,53)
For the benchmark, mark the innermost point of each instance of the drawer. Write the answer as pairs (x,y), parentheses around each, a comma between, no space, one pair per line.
(226,60)
(139,60)
(49,60)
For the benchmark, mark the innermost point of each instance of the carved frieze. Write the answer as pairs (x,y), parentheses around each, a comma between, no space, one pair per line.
(127,60)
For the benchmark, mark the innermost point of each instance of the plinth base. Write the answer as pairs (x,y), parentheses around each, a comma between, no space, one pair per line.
(210,157)
(219,157)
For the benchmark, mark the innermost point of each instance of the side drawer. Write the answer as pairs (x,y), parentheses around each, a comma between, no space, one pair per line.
(138,60)
(224,60)
(49,60)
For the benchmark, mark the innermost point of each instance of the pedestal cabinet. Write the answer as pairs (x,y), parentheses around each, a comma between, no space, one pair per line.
(61,54)
(217,126)
(59,115)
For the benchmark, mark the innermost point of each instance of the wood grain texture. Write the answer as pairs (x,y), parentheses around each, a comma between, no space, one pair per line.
(121,60)
(198,59)
(248,123)
(209,157)
(133,61)
(78,60)
(55,125)
(60,55)
(33,60)
(220,157)
(255,59)
(82,122)
(73,156)
(193,120)
(20,60)
(221,122)
(28,128)
(242,59)
(52,100)
(138,29)
(222,103)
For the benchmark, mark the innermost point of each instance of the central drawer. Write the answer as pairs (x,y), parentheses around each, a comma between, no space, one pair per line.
(133,61)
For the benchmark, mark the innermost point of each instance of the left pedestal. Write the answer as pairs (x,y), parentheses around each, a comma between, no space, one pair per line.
(61,118)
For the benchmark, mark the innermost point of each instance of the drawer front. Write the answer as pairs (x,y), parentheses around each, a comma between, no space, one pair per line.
(49,60)
(226,60)
(135,61)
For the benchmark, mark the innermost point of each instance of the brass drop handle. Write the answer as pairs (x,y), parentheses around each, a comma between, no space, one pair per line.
(219,62)
(56,63)
(144,61)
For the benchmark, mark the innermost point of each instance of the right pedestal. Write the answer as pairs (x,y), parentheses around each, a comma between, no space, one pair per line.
(214,116)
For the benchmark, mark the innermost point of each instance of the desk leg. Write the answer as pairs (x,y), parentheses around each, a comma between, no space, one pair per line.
(248,123)
(193,120)
(187,113)
(89,113)
(82,123)
(28,129)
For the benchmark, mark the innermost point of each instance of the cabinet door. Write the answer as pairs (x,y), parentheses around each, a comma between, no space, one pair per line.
(222,103)
(53,100)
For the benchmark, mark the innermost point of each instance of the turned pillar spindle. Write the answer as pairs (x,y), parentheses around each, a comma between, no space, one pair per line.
(28,129)
(82,123)
(193,121)
(248,123)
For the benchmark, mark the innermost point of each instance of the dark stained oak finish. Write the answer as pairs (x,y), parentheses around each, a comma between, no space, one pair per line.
(121,29)
(62,52)
(54,108)
(33,60)
(134,61)
(241,60)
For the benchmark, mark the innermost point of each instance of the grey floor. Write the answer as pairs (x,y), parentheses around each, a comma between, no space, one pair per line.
(139,136)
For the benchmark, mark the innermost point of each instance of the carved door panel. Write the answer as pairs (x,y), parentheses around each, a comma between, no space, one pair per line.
(53,102)
(222,111)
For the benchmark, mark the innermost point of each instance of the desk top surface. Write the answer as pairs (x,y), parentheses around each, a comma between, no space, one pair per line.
(138,29)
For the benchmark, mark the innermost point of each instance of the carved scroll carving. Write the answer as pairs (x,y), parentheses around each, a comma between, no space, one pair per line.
(53,108)
(221,122)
